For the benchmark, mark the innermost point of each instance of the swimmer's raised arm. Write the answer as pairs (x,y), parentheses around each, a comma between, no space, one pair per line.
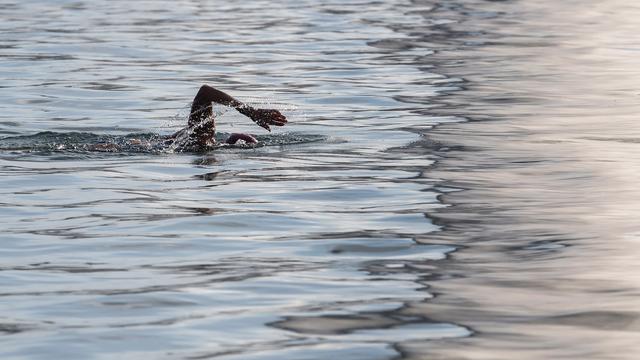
(208,94)
(202,108)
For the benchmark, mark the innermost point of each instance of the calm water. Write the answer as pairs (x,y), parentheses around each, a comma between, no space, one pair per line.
(346,235)
(548,266)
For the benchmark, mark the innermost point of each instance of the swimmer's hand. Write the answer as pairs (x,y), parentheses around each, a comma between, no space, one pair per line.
(264,117)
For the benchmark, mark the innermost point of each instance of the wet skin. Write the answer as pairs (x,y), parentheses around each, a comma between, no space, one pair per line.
(202,127)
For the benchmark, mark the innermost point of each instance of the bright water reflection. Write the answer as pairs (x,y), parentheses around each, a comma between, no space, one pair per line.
(549,218)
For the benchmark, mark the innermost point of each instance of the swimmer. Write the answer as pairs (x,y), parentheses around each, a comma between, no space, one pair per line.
(201,127)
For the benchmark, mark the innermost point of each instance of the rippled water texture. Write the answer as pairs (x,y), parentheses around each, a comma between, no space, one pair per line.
(358,231)
(307,249)
(549,162)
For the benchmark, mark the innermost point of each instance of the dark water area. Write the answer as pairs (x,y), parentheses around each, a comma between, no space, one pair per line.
(72,143)
(455,181)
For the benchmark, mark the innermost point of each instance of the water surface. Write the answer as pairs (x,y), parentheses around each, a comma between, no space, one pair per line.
(297,249)
(358,231)
(548,163)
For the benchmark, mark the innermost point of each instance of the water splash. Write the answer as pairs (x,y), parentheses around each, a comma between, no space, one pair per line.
(48,142)
(182,138)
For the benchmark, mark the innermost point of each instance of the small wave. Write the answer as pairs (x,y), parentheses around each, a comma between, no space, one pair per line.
(135,143)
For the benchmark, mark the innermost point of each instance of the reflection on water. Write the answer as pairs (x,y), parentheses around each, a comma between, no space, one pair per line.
(547,220)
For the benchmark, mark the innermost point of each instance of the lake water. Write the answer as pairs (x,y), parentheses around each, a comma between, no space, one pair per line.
(455,181)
